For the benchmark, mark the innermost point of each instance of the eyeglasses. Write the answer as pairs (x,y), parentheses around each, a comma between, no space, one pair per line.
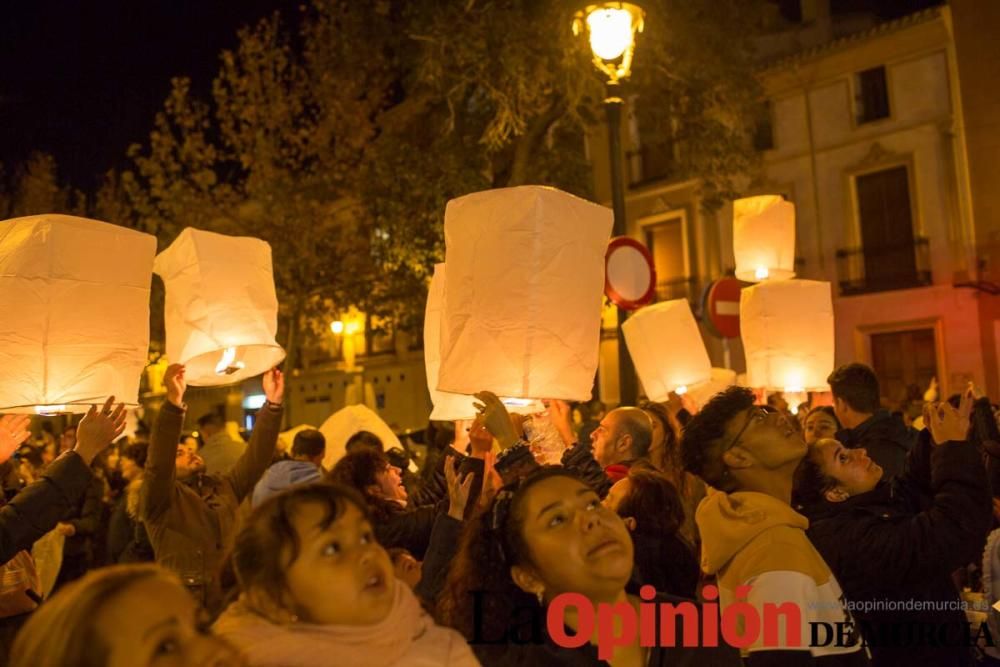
(758,414)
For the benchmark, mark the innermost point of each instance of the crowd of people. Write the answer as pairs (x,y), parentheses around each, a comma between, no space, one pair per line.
(876,525)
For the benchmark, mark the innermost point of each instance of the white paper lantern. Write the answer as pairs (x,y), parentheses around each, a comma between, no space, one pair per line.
(667,348)
(221,308)
(764,238)
(344,423)
(447,406)
(788,336)
(523,298)
(702,393)
(74,313)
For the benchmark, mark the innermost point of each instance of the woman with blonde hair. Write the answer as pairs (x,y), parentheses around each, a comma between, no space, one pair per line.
(121,616)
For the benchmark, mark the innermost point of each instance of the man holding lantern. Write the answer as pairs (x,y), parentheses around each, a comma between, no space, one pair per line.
(191,516)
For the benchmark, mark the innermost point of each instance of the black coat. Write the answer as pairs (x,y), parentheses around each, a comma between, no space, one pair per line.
(886,438)
(668,564)
(902,541)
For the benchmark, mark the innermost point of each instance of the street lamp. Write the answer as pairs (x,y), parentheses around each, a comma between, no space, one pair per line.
(611,28)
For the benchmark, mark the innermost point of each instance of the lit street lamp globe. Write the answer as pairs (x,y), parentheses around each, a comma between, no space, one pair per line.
(611,29)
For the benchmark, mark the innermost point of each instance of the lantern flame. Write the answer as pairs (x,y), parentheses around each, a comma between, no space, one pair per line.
(227,363)
(49,410)
(337,327)
(761,273)
(681,390)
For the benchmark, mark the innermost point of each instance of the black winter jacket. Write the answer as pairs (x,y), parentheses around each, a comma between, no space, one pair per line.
(901,542)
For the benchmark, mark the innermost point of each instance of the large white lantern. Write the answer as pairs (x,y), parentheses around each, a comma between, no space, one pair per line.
(221,308)
(764,238)
(702,393)
(787,331)
(74,313)
(342,424)
(447,406)
(522,312)
(667,348)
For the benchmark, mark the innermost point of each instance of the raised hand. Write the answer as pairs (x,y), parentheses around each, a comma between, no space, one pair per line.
(480,438)
(561,416)
(175,383)
(492,481)
(13,432)
(98,429)
(495,418)
(274,386)
(946,423)
(458,490)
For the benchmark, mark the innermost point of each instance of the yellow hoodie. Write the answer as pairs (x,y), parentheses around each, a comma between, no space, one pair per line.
(753,539)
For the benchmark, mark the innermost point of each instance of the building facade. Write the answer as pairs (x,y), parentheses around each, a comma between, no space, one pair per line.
(882,136)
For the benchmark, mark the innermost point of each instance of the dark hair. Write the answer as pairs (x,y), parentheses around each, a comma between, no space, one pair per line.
(213,419)
(364,439)
(491,544)
(269,544)
(654,503)
(137,452)
(671,465)
(358,470)
(810,483)
(702,441)
(828,410)
(309,442)
(857,385)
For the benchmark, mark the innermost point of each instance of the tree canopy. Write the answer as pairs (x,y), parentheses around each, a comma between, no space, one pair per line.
(338,135)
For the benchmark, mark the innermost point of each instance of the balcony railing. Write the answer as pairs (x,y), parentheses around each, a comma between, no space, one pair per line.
(883,268)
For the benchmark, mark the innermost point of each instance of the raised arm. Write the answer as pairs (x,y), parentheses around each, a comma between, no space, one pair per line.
(39,506)
(258,455)
(161,460)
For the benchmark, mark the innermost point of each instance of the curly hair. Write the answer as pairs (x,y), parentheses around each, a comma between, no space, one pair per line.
(703,439)
(491,544)
(359,470)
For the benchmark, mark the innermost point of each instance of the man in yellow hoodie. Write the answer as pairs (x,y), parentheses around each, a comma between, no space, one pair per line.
(755,544)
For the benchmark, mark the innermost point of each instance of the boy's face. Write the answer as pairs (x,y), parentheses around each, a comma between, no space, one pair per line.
(769,438)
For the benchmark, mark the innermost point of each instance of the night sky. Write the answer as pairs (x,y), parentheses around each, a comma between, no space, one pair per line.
(83,79)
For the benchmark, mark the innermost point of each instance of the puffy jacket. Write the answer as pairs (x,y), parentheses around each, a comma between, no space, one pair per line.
(902,541)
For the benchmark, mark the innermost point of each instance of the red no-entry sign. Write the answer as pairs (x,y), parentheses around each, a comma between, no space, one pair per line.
(722,307)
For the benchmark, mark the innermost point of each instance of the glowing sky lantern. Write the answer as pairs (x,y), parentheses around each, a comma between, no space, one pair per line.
(221,308)
(788,336)
(74,313)
(522,307)
(764,238)
(667,348)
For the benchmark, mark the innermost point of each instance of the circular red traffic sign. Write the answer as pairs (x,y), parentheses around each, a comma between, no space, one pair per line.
(629,276)
(722,307)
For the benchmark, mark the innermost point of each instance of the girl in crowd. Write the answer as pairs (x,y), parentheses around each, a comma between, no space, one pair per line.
(540,538)
(821,422)
(665,456)
(121,616)
(317,589)
(652,510)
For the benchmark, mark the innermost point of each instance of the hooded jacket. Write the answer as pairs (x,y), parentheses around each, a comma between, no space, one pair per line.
(754,540)
(901,541)
(886,438)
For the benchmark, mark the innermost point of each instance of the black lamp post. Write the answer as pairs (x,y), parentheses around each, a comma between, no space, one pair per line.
(611,28)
